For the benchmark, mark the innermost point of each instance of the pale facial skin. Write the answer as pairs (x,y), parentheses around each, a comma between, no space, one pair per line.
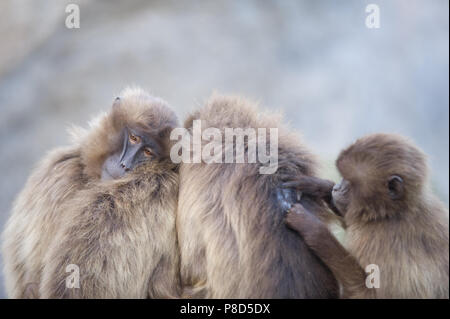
(138,147)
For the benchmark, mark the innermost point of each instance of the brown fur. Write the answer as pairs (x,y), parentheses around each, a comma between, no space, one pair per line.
(407,238)
(230,226)
(120,233)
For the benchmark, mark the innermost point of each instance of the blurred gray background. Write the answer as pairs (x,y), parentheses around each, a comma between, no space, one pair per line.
(334,78)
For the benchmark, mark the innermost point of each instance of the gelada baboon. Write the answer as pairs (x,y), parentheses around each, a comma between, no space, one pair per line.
(232,238)
(393,221)
(103,208)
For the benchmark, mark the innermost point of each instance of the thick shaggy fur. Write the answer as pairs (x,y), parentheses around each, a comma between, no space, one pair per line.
(407,237)
(121,234)
(230,227)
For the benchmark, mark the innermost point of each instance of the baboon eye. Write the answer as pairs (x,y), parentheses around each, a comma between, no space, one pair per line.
(134,139)
(148,152)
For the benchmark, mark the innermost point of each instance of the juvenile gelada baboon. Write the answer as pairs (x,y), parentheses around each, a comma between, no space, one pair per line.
(393,221)
(232,238)
(100,212)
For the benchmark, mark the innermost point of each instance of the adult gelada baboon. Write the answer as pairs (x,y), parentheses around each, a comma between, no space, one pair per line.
(232,238)
(102,208)
(393,221)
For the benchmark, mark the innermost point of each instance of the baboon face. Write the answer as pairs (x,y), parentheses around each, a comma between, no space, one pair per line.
(341,195)
(138,147)
(343,191)
(138,130)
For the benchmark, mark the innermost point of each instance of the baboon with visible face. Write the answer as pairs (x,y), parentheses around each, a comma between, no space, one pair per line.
(107,205)
(393,221)
(232,238)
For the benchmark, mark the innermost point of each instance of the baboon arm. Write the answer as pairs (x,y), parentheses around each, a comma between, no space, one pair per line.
(71,249)
(342,264)
(86,241)
(314,187)
(106,237)
(164,282)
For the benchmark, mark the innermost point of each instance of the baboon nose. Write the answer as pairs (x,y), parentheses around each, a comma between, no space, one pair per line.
(126,169)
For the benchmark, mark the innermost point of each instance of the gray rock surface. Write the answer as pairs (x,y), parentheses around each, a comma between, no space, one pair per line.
(316,61)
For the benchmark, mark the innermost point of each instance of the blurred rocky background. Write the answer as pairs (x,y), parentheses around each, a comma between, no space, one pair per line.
(334,78)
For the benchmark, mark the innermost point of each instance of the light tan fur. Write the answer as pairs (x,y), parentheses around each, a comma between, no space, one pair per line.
(408,239)
(121,233)
(232,239)
(401,229)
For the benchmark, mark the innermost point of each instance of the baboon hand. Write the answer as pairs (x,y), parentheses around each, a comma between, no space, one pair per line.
(310,185)
(304,222)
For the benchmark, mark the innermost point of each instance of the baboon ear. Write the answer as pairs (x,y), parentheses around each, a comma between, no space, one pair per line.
(396,187)
(116,103)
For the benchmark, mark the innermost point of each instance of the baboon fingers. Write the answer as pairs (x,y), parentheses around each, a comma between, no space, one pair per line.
(302,221)
(295,217)
(311,185)
(293,184)
(298,209)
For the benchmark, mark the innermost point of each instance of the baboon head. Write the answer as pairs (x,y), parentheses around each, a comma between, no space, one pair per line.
(135,131)
(381,173)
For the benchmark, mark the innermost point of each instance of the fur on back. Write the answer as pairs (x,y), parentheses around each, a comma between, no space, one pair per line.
(232,237)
